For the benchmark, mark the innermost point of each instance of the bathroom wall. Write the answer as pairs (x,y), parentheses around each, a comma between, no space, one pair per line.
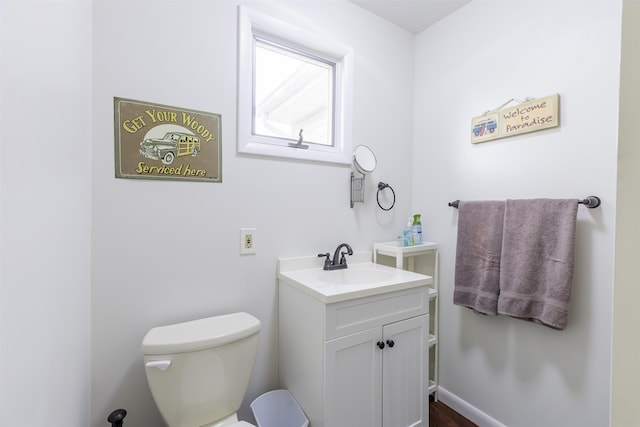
(45,223)
(165,252)
(145,272)
(498,370)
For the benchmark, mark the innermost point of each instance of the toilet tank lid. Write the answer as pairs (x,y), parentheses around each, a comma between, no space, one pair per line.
(200,334)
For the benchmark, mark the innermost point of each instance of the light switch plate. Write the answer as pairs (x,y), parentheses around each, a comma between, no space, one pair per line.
(247,241)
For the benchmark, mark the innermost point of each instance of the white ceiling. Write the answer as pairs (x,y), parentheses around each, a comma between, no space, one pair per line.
(412,15)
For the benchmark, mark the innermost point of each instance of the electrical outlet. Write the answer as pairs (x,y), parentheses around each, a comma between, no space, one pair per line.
(247,241)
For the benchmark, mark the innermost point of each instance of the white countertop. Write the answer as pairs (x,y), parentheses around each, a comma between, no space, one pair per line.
(360,279)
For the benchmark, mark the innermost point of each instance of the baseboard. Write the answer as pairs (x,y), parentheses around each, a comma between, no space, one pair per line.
(467,410)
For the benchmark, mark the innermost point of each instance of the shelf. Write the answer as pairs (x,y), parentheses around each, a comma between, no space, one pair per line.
(423,259)
(394,248)
(433,340)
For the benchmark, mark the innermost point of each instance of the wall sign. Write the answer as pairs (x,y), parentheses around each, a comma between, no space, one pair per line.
(530,116)
(154,141)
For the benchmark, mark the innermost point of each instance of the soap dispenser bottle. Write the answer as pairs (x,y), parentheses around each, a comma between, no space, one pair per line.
(407,234)
(416,229)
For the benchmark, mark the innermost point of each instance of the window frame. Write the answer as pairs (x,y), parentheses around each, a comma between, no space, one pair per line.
(250,23)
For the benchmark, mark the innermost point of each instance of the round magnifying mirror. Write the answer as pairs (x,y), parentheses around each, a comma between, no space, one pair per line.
(364,160)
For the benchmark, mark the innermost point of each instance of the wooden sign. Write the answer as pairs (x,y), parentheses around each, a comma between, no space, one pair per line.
(154,141)
(530,116)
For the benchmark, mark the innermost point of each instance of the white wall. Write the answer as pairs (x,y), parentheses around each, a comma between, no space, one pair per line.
(519,373)
(45,104)
(490,51)
(148,270)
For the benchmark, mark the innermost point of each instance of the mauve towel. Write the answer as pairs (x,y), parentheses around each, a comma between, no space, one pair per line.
(538,247)
(477,272)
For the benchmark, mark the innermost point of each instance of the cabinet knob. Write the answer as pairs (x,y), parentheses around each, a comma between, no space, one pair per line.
(380,345)
(390,343)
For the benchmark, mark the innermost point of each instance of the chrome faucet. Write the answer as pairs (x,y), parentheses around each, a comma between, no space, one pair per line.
(337,263)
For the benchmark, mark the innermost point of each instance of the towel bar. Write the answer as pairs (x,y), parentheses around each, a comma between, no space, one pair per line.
(590,202)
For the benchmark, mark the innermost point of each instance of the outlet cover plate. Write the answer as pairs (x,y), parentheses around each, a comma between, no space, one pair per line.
(247,241)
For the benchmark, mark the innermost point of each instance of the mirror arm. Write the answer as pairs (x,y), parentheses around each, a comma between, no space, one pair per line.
(364,161)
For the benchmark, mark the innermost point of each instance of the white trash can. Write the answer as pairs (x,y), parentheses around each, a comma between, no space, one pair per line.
(278,408)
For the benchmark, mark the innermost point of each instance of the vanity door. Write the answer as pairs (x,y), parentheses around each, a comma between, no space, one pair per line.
(404,373)
(353,380)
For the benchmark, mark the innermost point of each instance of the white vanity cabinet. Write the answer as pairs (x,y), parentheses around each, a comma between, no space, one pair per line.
(356,362)
(374,377)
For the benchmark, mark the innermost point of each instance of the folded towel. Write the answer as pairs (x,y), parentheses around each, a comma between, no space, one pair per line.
(477,271)
(538,247)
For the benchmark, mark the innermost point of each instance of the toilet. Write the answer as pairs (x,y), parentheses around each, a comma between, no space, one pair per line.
(198,371)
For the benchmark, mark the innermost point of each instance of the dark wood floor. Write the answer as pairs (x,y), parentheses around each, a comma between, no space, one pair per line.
(440,415)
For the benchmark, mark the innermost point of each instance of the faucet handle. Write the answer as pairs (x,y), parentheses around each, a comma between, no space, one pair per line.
(327,260)
(328,255)
(343,260)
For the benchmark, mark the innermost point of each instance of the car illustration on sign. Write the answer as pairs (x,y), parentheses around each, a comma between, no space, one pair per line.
(483,126)
(170,146)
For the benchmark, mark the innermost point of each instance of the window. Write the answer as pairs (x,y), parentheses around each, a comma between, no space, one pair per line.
(293,92)
(292,85)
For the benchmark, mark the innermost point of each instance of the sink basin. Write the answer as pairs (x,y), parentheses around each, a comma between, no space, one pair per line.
(354,277)
(362,278)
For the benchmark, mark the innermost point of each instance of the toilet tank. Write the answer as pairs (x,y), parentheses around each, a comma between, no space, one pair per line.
(198,371)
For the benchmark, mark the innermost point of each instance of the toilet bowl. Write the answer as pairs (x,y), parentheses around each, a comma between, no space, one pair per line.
(198,371)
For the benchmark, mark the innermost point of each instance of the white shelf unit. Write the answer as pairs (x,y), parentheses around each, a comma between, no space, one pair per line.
(423,259)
